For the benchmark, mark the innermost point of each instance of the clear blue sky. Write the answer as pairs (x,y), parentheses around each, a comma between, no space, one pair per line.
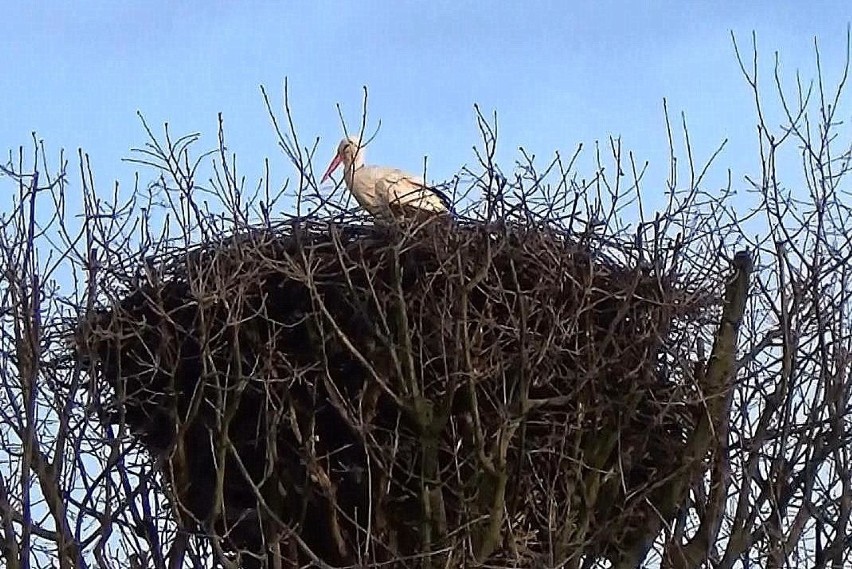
(557,73)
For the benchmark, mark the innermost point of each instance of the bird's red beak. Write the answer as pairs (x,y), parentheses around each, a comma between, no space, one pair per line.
(332,167)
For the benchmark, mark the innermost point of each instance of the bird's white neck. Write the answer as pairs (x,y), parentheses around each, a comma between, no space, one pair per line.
(349,169)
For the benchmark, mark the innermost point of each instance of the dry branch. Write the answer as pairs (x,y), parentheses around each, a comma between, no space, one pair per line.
(362,389)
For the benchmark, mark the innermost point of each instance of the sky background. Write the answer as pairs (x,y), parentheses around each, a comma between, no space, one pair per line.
(557,74)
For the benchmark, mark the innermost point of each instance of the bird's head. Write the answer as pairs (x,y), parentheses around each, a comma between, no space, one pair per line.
(349,152)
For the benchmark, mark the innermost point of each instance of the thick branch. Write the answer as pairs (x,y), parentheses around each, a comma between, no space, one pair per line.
(711,431)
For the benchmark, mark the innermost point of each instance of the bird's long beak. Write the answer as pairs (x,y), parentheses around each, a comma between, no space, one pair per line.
(332,167)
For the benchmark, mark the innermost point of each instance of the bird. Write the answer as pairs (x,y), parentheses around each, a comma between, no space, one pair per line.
(383,191)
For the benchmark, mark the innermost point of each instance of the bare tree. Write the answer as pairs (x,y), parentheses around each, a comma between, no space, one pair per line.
(552,379)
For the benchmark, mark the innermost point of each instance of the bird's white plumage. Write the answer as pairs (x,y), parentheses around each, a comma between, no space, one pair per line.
(382,191)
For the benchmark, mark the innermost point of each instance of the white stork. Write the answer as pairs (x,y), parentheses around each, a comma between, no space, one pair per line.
(384,191)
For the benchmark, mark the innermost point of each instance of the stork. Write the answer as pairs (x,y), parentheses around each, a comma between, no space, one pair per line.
(384,191)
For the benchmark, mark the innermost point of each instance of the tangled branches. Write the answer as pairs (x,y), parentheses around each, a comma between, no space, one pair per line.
(366,395)
(530,385)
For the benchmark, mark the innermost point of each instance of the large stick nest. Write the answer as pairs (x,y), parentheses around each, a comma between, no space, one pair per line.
(495,394)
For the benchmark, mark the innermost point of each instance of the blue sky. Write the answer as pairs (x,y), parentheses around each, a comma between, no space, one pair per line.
(557,73)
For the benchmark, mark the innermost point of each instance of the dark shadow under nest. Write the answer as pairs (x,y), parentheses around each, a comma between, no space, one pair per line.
(362,395)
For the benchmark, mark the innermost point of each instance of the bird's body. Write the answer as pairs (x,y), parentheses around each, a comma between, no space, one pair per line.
(384,191)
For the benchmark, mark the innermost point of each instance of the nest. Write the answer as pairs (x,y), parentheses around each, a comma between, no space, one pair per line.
(356,394)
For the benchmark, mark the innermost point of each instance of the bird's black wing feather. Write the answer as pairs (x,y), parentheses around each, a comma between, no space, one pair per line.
(445,199)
